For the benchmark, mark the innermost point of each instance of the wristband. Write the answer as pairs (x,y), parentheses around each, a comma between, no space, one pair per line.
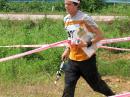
(89,43)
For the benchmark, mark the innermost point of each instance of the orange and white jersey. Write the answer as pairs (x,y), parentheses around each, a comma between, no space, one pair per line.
(76,29)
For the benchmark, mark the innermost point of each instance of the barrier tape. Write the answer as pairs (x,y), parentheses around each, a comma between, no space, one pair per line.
(114,48)
(114,40)
(22,46)
(122,95)
(30,46)
(104,41)
(63,43)
(34,51)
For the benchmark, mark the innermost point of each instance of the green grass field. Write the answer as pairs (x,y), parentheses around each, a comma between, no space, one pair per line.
(31,74)
(34,75)
(50,31)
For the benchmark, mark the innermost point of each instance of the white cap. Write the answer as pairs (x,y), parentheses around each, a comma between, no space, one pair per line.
(76,1)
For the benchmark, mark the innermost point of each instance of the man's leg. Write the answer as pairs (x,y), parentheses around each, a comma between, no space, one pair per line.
(91,75)
(71,77)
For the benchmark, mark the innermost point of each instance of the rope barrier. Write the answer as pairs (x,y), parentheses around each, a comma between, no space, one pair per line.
(114,40)
(34,51)
(63,43)
(122,95)
(21,46)
(104,41)
(114,48)
(29,46)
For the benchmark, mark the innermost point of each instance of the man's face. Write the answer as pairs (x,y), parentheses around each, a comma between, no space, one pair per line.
(70,7)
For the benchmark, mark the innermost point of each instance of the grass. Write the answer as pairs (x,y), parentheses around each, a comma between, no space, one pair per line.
(49,89)
(49,31)
(117,9)
(33,75)
(111,63)
(29,32)
(46,8)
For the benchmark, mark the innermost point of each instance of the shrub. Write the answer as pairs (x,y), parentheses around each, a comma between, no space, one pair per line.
(86,5)
(91,5)
(2,4)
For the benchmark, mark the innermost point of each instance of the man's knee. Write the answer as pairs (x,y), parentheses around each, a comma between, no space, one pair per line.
(70,83)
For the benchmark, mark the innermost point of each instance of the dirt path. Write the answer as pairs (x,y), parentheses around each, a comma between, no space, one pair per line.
(34,17)
(49,89)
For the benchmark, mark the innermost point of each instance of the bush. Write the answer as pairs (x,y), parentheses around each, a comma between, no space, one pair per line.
(86,5)
(91,5)
(2,4)
(31,6)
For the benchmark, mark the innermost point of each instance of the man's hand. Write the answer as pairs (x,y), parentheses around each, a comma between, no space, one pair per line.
(65,54)
(79,43)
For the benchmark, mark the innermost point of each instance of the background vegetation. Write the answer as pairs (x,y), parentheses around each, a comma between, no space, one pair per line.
(29,32)
(32,72)
(37,66)
(91,6)
(32,7)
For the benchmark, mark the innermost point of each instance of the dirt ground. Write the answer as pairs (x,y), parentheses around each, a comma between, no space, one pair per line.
(41,16)
(49,89)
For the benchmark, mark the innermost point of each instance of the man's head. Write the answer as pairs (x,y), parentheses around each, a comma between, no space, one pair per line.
(72,6)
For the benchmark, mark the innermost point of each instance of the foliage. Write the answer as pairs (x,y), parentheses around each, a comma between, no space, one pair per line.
(86,5)
(118,67)
(30,32)
(91,5)
(115,29)
(31,6)
(2,4)
(115,9)
(38,65)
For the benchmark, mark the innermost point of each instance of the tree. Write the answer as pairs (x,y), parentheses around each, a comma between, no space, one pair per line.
(2,4)
(91,5)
